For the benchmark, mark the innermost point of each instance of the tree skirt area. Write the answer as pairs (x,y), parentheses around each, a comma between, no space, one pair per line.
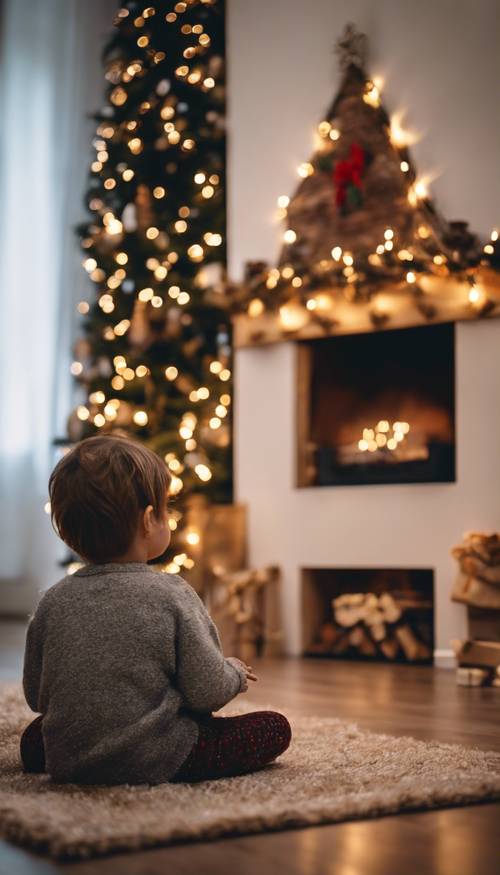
(333,771)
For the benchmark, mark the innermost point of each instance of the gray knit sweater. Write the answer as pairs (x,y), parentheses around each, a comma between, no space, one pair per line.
(119,661)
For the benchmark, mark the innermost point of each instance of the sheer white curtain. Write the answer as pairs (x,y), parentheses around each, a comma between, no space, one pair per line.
(50,81)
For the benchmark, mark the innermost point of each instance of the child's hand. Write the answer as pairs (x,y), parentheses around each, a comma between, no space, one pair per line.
(249,673)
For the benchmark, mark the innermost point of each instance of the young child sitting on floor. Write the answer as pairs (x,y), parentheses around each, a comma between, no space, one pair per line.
(123,663)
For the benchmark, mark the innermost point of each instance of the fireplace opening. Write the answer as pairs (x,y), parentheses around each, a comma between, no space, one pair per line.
(368,614)
(377,408)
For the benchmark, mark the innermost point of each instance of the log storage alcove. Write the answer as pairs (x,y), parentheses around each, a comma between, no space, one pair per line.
(376,614)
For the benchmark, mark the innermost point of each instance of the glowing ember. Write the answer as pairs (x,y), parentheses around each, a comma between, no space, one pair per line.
(383,436)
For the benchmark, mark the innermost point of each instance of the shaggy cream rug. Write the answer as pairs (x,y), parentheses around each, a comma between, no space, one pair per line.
(333,771)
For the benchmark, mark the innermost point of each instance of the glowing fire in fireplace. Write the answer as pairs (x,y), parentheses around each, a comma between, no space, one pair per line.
(383,436)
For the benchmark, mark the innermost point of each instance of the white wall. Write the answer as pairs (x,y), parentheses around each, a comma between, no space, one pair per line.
(440,63)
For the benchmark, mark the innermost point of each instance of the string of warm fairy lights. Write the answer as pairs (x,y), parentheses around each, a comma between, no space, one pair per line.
(154,250)
(290,290)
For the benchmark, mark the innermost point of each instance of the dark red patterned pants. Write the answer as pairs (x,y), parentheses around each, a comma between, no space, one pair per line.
(235,745)
(226,745)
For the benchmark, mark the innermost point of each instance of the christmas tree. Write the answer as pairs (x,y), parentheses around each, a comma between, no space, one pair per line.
(154,358)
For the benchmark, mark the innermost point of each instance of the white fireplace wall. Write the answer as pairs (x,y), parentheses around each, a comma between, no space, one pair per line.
(438,61)
(394,526)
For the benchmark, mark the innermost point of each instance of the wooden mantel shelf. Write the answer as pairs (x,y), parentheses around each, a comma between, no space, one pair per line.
(442,300)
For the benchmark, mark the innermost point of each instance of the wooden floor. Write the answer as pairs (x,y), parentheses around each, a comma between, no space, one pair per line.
(420,701)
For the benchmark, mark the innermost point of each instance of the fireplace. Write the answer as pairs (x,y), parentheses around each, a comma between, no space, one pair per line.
(374,614)
(377,408)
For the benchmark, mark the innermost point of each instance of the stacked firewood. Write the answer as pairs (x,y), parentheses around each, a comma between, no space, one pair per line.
(478,663)
(478,581)
(478,586)
(372,625)
(244,606)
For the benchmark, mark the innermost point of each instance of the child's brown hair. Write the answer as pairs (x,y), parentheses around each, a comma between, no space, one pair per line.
(97,491)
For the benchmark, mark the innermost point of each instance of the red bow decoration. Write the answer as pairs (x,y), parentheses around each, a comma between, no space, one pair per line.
(347,175)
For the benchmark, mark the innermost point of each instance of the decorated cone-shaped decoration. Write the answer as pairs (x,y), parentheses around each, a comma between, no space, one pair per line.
(361,222)
(360,216)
